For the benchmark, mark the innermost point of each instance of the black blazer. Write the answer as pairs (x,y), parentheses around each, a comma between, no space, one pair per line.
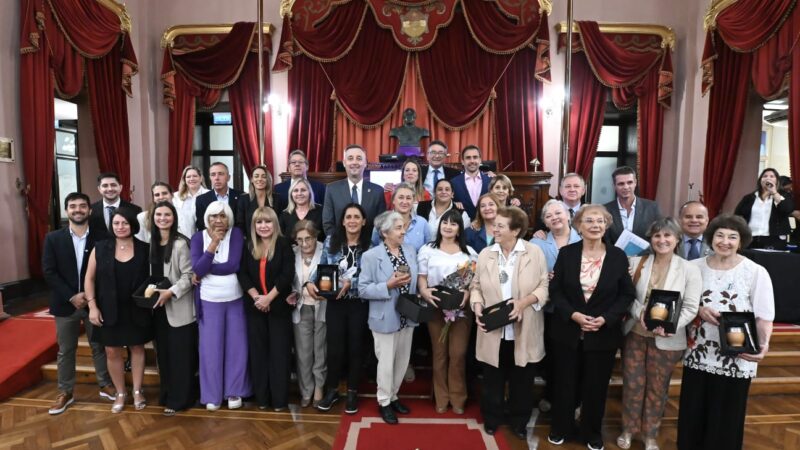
(201,204)
(288,220)
(449,172)
(611,298)
(97,219)
(647,212)
(337,196)
(778,218)
(279,273)
(281,191)
(246,208)
(424,210)
(106,282)
(61,269)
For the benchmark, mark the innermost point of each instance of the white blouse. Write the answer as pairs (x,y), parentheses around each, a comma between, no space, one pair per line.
(746,287)
(436,264)
(186,212)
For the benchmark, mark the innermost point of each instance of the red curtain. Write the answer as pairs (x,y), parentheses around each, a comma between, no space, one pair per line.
(199,76)
(751,40)
(462,70)
(518,119)
(587,108)
(312,113)
(245,109)
(56,39)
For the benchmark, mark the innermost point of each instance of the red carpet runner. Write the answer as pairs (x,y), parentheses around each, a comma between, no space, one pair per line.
(26,343)
(424,428)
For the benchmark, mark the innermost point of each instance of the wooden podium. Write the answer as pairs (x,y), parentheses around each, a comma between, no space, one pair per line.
(531,188)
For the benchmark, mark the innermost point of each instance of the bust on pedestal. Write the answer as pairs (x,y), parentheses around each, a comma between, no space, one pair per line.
(409,135)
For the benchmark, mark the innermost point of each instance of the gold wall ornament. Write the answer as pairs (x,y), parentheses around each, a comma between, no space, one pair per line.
(666,33)
(286,8)
(717,6)
(546,6)
(168,38)
(121,11)
(414,24)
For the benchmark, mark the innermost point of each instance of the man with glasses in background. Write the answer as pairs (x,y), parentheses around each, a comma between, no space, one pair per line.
(297,166)
(435,169)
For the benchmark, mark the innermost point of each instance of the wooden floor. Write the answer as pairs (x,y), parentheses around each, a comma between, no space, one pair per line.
(773,423)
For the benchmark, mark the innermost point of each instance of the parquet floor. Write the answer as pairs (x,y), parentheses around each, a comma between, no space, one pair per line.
(773,423)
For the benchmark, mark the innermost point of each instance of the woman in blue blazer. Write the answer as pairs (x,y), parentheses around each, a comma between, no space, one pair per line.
(479,233)
(387,271)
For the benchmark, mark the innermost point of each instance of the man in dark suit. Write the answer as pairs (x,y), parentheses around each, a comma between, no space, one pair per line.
(219,175)
(298,169)
(629,211)
(435,170)
(64,260)
(470,185)
(693,217)
(353,189)
(110,188)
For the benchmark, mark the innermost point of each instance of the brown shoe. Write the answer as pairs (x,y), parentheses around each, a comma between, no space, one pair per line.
(62,403)
(108,392)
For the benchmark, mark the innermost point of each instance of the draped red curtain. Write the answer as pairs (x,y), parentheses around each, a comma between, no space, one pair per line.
(58,42)
(198,76)
(461,66)
(587,109)
(750,41)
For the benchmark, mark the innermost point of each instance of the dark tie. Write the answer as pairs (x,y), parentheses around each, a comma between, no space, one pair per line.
(435,177)
(571,213)
(694,249)
(354,194)
(111,211)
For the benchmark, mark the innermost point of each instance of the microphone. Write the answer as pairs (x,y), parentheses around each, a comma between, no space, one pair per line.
(507,166)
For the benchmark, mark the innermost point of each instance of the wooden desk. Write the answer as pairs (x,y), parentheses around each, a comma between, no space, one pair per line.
(532,188)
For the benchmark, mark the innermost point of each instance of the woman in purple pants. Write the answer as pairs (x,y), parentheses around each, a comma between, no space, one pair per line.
(216,254)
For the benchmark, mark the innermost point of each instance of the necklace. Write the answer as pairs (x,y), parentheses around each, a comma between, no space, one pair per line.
(307,261)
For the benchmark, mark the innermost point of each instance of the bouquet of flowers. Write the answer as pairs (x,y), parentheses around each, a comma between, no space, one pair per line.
(458,281)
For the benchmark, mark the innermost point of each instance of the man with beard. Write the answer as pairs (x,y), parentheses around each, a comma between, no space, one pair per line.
(353,189)
(64,262)
(109,186)
(470,185)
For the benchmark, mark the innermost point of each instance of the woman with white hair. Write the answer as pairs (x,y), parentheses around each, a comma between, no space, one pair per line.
(387,271)
(216,255)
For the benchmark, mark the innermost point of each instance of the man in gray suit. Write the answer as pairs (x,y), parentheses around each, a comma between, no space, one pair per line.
(353,189)
(693,217)
(630,212)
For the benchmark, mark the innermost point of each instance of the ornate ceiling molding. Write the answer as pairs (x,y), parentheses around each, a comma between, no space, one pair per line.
(666,33)
(168,38)
(121,12)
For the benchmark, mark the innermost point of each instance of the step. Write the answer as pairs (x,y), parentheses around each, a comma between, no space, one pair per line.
(85,374)
(84,349)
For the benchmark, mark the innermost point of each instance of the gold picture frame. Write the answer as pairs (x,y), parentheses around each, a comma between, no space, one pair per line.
(6,149)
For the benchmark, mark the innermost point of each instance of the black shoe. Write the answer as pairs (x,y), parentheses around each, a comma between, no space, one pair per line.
(327,402)
(351,404)
(595,445)
(387,414)
(555,439)
(490,429)
(399,407)
(521,433)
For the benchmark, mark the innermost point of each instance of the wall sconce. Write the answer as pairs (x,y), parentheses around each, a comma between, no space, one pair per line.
(552,100)
(276,104)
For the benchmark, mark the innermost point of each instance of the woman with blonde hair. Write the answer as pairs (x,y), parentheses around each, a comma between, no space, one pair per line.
(503,189)
(266,277)
(479,234)
(302,206)
(191,186)
(216,255)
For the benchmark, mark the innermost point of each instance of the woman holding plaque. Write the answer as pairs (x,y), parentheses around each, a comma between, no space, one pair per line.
(448,261)
(714,386)
(174,315)
(388,271)
(117,267)
(346,315)
(591,291)
(649,356)
(266,276)
(308,315)
(513,271)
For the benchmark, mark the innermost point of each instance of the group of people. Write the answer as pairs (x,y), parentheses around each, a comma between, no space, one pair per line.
(242,272)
